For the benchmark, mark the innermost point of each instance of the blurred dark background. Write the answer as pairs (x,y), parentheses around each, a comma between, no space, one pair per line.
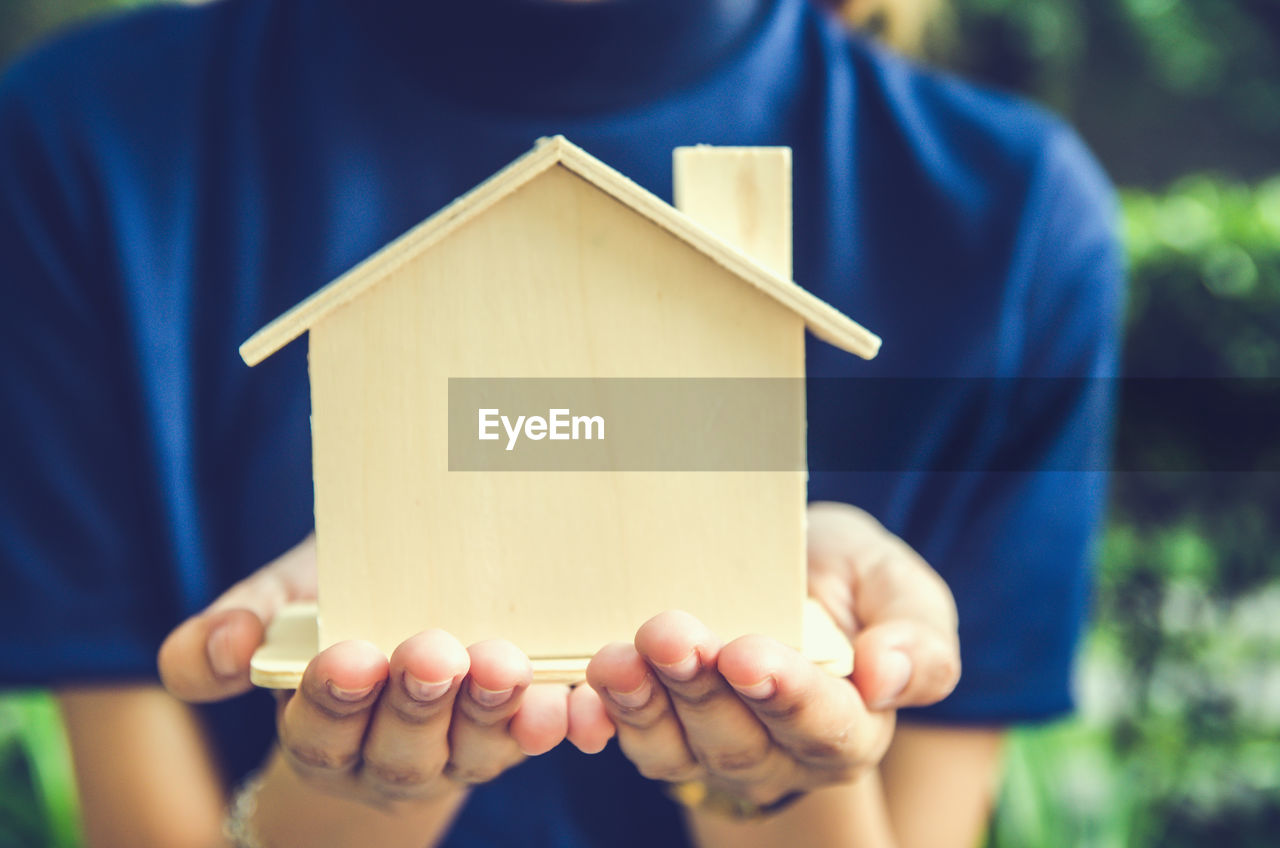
(1177,742)
(1159,88)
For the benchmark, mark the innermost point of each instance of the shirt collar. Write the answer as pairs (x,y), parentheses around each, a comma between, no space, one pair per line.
(539,55)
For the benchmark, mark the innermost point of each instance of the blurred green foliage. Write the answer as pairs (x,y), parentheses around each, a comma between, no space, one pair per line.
(1205,254)
(1159,88)
(23,22)
(38,806)
(1178,738)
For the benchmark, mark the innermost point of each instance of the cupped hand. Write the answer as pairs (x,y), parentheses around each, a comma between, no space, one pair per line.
(756,719)
(896,610)
(752,718)
(433,718)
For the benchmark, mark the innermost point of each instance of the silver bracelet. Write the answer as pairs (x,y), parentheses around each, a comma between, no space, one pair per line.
(237,825)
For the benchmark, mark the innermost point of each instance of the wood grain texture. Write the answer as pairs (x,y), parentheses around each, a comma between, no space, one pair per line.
(823,320)
(557,280)
(742,195)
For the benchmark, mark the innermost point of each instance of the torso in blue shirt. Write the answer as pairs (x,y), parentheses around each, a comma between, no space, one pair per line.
(171,181)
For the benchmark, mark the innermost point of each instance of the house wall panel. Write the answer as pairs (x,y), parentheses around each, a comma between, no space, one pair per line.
(557,280)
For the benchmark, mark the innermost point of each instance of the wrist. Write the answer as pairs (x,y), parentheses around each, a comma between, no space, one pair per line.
(697,796)
(840,814)
(288,811)
(238,823)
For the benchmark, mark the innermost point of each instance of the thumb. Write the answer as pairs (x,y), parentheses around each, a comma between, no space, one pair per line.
(206,658)
(904,663)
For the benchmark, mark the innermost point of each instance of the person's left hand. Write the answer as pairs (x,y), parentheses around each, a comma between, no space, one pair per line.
(754,718)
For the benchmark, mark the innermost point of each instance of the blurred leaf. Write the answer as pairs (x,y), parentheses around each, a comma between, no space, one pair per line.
(38,805)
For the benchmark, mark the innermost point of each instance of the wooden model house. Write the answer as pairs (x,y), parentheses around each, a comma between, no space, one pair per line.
(556,267)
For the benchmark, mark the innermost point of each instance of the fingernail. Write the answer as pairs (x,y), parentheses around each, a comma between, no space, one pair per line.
(221,654)
(489,697)
(764,689)
(637,697)
(895,671)
(421,690)
(684,669)
(349,694)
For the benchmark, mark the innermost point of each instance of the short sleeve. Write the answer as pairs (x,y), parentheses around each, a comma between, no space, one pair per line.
(1024,527)
(80,591)
(1008,507)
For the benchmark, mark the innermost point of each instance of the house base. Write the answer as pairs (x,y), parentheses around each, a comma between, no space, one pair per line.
(293,639)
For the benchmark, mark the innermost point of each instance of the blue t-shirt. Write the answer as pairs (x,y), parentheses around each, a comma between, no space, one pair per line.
(172,180)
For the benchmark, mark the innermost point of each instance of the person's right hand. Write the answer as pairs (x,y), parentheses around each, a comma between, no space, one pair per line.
(435,717)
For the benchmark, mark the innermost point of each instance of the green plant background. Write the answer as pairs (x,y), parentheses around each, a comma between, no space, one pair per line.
(1177,742)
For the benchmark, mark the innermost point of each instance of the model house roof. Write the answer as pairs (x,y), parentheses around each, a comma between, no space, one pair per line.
(822,319)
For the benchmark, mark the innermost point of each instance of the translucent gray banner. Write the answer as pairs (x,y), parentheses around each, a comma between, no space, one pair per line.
(626,425)
(865,424)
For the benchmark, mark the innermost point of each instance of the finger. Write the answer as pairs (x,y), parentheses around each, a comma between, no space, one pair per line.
(649,733)
(206,658)
(892,582)
(886,579)
(819,719)
(480,746)
(721,730)
(590,728)
(289,577)
(904,664)
(542,720)
(904,623)
(322,726)
(407,745)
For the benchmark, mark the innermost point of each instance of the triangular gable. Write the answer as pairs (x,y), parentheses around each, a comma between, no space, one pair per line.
(823,320)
